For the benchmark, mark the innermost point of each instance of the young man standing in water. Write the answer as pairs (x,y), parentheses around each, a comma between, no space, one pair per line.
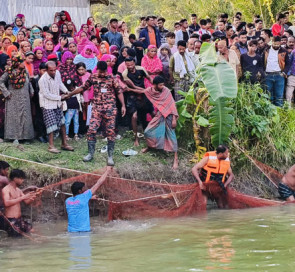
(287,186)
(214,167)
(12,197)
(77,205)
(4,168)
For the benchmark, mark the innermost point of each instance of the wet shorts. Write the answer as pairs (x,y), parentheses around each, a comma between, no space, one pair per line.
(17,226)
(285,191)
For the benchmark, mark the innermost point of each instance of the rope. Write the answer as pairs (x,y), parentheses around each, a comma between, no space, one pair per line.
(17,229)
(75,171)
(56,192)
(253,161)
(48,165)
(143,198)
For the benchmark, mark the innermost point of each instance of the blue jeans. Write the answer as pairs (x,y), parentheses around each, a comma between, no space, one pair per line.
(70,114)
(275,85)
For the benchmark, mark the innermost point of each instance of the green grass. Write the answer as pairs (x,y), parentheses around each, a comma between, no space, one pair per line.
(154,165)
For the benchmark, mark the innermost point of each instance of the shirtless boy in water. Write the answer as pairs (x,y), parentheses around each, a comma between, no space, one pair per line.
(287,186)
(4,168)
(12,197)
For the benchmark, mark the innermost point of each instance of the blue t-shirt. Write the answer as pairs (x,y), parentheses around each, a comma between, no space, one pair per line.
(78,212)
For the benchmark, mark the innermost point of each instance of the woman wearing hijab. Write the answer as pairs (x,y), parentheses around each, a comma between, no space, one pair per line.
(91,25)
(139,50)
(24,48)
(152,64)
(38,59)
(21,36)
(67,68)
(17,25)
(108,59)
(73,48)
(6,41)
(29,63)
(82,40)
(104,48)
(62,17)
(114,50)
(35,33)
(48,48)
(71,80)
(88,57)
(18,121)
(164,56)
(37,43)
(85,28)
(123,29)
(12,51)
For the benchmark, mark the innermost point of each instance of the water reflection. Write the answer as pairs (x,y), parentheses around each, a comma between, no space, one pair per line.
(80,251)
(221,252)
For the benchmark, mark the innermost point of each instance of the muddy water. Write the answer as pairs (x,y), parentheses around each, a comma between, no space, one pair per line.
(246,240)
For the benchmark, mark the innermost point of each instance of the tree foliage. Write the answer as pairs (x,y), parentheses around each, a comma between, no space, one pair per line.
(173,10)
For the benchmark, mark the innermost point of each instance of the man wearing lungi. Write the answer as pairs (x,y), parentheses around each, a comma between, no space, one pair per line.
(160,132)
(50,85)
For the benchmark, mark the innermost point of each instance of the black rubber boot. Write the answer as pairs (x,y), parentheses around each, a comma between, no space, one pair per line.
(91,150)
(111,147)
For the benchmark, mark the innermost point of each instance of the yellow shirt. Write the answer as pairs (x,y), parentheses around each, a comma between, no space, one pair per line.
(12,37)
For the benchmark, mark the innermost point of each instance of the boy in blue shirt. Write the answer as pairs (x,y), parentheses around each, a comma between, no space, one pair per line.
(77,205)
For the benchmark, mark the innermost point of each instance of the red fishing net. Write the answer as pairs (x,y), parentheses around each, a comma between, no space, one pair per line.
(131,199)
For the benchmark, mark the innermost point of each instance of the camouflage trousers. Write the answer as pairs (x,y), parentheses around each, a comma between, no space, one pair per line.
(105,117)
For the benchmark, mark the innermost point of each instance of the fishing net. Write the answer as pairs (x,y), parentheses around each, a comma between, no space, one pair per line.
(132,199)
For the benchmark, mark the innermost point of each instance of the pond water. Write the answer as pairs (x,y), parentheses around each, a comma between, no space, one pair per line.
(238,240)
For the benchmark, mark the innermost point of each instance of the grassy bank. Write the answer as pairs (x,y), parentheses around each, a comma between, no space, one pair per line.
(154,165)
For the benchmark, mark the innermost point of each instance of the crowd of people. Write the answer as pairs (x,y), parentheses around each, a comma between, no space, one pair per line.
(101,77)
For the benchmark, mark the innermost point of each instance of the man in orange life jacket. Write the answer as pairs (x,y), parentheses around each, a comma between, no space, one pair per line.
(214,167)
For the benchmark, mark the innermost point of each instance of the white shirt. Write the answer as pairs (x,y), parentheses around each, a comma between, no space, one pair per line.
(272,63)
(49,94)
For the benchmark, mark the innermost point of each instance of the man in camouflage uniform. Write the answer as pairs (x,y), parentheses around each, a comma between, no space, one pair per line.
(104,110)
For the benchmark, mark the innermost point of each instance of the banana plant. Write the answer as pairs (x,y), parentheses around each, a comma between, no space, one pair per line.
(216,80)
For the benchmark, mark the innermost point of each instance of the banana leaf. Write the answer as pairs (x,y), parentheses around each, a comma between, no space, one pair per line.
(218,76)
(221,121)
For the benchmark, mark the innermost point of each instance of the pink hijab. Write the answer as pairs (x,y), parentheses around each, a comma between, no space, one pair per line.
(106,57)
(153,66)
(82,43)
(67,55)
(93,49)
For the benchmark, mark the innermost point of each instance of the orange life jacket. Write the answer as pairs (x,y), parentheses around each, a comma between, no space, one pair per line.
(215,166)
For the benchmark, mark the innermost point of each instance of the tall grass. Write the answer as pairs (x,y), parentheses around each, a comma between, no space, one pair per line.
(264,130)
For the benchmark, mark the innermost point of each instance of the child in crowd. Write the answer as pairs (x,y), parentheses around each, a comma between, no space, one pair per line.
(72,106)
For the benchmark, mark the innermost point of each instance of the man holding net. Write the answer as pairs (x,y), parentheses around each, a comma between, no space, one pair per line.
(287,186)
(214,174)
(12,195)
(78,207)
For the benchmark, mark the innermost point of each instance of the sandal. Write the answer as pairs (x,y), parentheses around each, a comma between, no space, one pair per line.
(76,137)
(53,150)
(68,138)
(139,135)
(67,148)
